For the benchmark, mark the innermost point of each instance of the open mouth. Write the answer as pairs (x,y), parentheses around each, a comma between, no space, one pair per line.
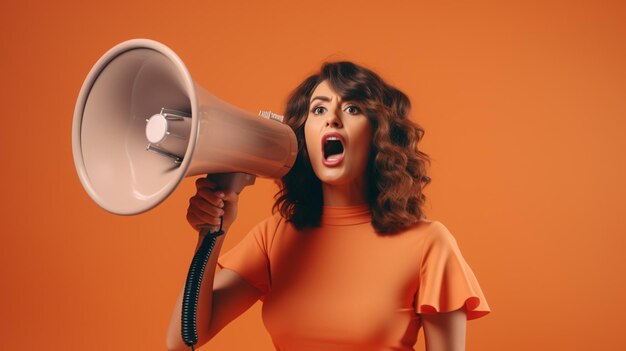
(333,148)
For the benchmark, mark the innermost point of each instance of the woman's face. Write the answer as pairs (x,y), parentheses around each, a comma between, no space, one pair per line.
(338,137)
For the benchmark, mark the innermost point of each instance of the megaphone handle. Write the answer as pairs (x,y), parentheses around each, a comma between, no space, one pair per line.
(232,181)
(192,286)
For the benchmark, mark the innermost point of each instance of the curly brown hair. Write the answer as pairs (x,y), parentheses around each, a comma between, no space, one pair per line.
(396,167)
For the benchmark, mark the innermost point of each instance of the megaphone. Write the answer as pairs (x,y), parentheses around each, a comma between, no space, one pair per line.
(141,125)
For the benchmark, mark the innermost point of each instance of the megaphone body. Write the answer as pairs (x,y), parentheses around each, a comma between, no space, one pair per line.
(141,124)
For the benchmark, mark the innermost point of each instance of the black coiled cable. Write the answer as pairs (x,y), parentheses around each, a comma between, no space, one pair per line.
(192,287)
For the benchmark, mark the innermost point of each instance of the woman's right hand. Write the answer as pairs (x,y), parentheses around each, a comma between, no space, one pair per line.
(209,204)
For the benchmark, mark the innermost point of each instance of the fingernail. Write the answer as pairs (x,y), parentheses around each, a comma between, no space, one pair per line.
(220,194)
(221,204)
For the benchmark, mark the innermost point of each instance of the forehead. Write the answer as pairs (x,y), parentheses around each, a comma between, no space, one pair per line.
(324,89)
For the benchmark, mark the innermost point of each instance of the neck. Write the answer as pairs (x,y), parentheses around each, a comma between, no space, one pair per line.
(350,194)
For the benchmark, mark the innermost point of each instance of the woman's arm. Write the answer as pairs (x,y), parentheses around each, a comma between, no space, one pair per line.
(445,331)
(223,295)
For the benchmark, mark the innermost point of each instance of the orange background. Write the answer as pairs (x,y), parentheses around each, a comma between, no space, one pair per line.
(524,108)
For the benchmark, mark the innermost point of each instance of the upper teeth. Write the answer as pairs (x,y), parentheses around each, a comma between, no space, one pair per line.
(332,138)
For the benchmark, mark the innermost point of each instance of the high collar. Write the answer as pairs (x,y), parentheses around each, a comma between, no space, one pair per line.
(346,215)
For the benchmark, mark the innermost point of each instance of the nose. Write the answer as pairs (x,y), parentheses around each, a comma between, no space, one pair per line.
(333,119)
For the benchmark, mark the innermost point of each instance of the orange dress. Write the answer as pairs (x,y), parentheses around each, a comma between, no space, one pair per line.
(343,287)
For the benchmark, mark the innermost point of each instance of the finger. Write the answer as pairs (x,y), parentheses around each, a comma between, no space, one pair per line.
(197,223)
(199,218)
(202,205)
(193,220)
(213,197)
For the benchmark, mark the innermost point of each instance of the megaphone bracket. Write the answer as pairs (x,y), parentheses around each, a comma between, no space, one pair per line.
(177,160)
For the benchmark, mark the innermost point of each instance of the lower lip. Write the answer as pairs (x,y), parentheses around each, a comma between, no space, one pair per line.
(333,161)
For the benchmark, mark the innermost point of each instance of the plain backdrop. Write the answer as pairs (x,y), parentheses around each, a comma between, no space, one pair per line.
(523,103)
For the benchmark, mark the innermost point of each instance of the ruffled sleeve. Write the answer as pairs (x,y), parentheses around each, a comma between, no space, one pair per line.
(446,281)
(250,257)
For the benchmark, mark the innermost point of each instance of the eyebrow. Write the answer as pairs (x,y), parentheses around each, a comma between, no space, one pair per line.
(323,98)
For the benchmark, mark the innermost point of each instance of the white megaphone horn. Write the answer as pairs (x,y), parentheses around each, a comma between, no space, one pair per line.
(141,124)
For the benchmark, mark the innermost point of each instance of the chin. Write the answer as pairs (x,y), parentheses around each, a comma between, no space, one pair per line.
(330,179)
(335,176)
(334,181)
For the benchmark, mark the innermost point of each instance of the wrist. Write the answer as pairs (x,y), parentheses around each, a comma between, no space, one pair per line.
(205,231)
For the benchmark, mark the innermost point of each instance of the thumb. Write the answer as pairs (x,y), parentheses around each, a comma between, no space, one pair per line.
(230,196)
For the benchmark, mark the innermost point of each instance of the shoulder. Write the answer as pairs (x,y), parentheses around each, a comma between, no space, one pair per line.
(271,221)
(269,225)
(429,234)
(439,232)
(431,230)
(439,248)
(438,236)
(267,229)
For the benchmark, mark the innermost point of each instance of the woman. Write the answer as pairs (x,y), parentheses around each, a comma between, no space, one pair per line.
(348,260)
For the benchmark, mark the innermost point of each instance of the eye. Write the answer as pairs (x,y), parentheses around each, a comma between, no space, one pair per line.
(318,110)
(353,110)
